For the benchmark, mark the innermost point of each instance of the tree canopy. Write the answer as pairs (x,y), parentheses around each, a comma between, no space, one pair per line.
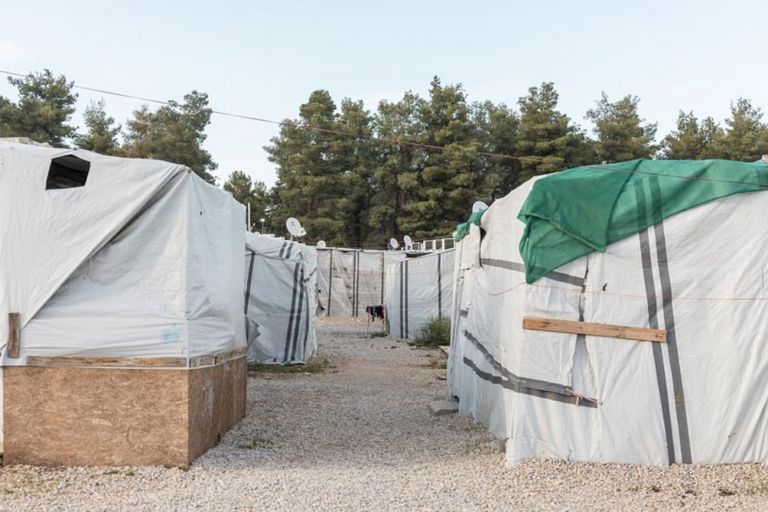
(174,132)
(357,176)
(43,110)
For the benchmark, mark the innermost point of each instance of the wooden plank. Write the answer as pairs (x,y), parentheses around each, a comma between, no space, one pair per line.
(214,359)
(136,362)
(595,329)
(109,362)
(14,335)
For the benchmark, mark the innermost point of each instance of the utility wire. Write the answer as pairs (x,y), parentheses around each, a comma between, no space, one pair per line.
(302,127)
(390,140)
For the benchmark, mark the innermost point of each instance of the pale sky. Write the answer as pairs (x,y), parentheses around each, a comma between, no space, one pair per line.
(264,58)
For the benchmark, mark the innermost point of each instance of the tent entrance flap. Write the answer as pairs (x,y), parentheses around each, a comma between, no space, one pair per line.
(582,210)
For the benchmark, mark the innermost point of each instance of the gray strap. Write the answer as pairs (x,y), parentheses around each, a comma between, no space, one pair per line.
(669,325)
(293,312)
(519,267)
(541,388)
(535,387)
(653,323)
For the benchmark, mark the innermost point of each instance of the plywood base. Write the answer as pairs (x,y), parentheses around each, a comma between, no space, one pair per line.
(114,417)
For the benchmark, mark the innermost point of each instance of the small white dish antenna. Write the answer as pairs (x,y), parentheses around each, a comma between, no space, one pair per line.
(407,240)
(393,243)
(321,244)
(294,227)
(479,206)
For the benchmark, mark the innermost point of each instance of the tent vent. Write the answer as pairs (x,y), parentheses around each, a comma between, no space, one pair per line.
(67,172)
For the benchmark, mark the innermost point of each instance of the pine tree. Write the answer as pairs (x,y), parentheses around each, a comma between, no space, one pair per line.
(354,153)
(547,141)
(621,133)
(397,167)
(692,139)
(497,130)
(450,179)
(175,133)
(250,193)
(102,135)
(309,182)
(44,108)
(746,136)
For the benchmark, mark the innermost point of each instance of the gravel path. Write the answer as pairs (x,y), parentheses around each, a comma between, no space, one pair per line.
(359,437)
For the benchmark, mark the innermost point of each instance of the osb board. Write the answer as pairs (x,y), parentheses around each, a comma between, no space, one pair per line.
(217,403)
(84,416)
(106,416)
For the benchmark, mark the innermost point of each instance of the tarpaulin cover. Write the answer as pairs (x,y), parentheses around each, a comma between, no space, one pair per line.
(144,259)
(281,300)
(349,280)
(575,212)
(462,229)
(699,275)
(417,290)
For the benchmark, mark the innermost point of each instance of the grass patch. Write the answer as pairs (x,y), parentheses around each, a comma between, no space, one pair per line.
(256,443)
(438,364)
(435,332)
(379,334)
(725,491)
(311,367)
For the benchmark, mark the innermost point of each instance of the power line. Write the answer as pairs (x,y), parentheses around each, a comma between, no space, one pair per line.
(304,127)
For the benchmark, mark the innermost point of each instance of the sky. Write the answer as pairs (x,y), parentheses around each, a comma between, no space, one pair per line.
(264,58)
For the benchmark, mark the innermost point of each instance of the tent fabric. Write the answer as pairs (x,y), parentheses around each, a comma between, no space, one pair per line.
(144,259)
(575,212)
(349,280)
(696,399)
(417,290)
(281,300)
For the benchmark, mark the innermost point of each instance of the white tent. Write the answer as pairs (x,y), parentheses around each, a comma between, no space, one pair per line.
(114,257)
(698,275)
(417,290)
(281,300)
(349,280)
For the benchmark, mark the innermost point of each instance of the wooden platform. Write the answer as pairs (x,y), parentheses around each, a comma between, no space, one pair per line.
(82,416)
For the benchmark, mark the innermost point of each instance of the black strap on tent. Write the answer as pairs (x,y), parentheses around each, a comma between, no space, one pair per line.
(330,282)
(439,287)
(382,278)
(402,287)
(302,292)
(535,387)
(669,325)
(405,302)
(248,293)
(653,323)
(292,313)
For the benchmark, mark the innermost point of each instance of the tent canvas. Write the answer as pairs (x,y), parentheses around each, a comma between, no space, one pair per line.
(349,280)
(281,300)
(695,399)
(418,289)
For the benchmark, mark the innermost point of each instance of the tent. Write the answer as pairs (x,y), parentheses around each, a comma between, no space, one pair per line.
(349,280)
(417,290)
(281,299)
(619,313)
(111,263)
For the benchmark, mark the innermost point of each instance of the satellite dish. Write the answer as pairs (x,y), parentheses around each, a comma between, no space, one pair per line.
(393,243)
(479,206)
(321,244)
(294,227)
(408,241)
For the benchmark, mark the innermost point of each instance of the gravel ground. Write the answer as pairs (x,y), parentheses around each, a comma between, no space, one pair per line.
(358,437)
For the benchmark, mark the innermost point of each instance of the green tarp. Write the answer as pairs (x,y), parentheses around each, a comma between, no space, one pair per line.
(462,230)
(575,212)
